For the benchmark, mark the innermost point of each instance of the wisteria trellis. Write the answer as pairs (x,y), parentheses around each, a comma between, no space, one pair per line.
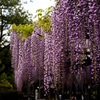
(61,54)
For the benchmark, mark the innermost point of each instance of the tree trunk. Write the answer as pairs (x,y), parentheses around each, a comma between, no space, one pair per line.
(1,35)
(28,89)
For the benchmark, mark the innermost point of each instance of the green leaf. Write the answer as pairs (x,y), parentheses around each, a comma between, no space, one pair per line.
(2,67)
(39,10)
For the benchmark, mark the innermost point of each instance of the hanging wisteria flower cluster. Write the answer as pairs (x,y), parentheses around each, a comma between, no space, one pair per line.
(76,37)
(27,57)
(70,50)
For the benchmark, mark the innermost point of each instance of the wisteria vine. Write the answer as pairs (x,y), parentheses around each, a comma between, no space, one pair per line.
(71,49)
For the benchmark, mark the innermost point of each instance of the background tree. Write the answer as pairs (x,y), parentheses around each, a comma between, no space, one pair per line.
(12,12)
